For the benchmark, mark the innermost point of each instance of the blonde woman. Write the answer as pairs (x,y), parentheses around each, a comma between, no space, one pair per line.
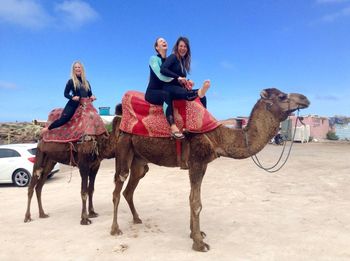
(77,87)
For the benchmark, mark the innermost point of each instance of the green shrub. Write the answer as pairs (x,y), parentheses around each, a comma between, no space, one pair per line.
(109,127)
(332,136)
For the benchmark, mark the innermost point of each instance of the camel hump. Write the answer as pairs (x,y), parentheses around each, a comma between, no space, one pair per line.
(145,119)
(85,122)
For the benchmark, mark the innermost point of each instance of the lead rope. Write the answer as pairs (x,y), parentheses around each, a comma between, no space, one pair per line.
(269,169)
(72,162)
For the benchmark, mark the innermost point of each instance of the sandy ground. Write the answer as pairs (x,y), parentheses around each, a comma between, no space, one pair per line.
(300,213)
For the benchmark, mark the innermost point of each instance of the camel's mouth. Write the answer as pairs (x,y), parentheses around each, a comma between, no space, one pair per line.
(304,105)
(300,100)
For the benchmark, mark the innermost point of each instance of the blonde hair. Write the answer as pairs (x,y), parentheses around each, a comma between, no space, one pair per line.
(74,77)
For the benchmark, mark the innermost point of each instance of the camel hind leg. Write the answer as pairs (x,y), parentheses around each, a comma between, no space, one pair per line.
(196,174)
(41,169)
(138,171)
(124,157)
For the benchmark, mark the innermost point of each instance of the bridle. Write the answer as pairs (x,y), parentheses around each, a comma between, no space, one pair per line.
(274,168)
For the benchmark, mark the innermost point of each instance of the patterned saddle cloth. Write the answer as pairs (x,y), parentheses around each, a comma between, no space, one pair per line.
(145,119)
(85,121)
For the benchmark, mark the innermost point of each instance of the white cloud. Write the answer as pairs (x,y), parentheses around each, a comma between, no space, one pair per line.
(28,13)
(337,15)
(76,13)
(32,13)
(7,85)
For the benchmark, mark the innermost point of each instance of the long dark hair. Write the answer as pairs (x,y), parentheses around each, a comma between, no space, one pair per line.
(187,57)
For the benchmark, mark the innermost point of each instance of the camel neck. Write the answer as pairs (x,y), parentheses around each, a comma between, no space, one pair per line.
(262,126)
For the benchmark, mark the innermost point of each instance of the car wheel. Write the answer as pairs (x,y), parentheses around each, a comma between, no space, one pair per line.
(21,178)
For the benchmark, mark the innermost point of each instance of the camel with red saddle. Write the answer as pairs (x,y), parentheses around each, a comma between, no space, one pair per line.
(134,151)
(82,142)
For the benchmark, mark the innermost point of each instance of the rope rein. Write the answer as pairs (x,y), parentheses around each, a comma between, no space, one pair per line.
(271,169)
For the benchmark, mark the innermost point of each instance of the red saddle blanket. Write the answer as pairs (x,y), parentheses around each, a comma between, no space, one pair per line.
(85,121)
(142,118)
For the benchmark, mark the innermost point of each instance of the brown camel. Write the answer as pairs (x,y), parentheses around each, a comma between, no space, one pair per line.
(86,155)
(273,107)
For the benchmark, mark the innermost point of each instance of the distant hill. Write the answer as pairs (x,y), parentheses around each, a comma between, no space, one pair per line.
(19,132)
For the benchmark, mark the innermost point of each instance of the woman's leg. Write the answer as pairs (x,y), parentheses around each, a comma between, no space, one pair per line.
(204,89)
(162,97)
(66,115)
(179,93)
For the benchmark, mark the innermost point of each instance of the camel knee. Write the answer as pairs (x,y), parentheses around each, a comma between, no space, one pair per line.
(123,176)
(198,210)
(84,196)
(38,172)
(196,207)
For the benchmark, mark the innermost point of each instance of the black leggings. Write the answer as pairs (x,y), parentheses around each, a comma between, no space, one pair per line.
(170,93)
(159,97)
(180,93)
(66,115)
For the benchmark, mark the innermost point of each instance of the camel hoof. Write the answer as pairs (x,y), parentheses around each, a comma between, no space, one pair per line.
(137,221)
(43,215)
(93,214)
(27,219)
(201,247)
(116,231)
(85,221)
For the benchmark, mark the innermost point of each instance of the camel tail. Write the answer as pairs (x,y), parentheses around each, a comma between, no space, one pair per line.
(118,109)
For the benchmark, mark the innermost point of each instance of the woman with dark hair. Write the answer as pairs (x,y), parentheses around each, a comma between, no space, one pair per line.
(77,87)
(155,93)
(176,66)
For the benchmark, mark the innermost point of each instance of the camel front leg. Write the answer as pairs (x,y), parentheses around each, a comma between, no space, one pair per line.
(138,171)
(92,178)
(196,174)
(84,173)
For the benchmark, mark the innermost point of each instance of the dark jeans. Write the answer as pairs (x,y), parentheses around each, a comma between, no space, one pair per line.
(170,93)
(180,93)
(66,115)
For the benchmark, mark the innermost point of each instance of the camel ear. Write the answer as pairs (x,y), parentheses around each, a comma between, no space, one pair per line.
(264,94)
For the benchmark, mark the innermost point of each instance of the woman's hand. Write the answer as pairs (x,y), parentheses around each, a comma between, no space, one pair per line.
(182,80)
(93,98)
(75,98)
(189,84)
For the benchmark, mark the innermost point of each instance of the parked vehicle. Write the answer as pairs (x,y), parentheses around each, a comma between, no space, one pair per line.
(16,163)
(279,139)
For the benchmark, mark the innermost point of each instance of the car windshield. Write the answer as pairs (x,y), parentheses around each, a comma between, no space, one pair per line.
(32,151)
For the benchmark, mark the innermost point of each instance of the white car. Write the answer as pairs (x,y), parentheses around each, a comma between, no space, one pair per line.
(16,163)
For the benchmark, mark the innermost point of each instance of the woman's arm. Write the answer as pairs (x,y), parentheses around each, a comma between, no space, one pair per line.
(89,92)
(69,88)
(155,62)
(90,95)
(165,68)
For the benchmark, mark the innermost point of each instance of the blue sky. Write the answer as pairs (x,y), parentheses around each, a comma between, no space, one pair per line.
(241,46)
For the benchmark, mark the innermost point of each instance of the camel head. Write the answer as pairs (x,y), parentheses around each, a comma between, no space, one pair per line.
(282,104)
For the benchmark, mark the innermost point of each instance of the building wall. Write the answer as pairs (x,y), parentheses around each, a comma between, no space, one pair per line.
(342,131)
(319,126)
